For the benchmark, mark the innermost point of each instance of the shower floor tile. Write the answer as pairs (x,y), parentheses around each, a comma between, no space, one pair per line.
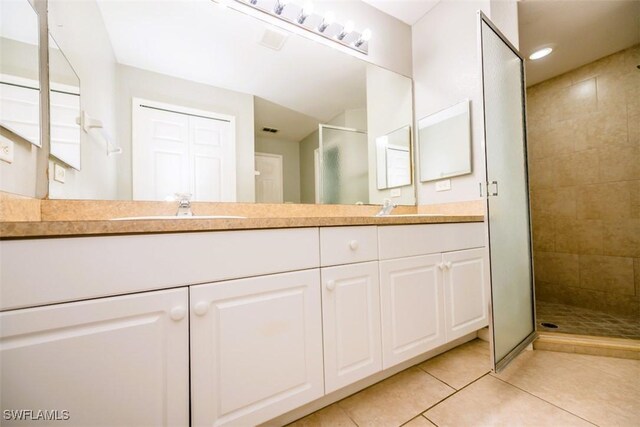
(582,321)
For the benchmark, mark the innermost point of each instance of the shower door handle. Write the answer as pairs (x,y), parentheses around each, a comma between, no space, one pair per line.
(492,193)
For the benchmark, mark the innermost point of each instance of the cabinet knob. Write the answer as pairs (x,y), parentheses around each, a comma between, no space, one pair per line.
(354,245)
(331,285)
(201,308)
(178,313)
(441,266)
(447,264)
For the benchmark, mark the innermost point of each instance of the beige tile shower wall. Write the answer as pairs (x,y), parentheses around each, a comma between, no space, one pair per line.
(584,151)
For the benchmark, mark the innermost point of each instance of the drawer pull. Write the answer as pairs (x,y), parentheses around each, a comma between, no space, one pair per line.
(178,313)
(201,308)
(331,285)
(354,245)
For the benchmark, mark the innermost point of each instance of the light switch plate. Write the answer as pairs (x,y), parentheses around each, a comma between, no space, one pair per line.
(444,185)
(6,149)
(59,173)
(396,192)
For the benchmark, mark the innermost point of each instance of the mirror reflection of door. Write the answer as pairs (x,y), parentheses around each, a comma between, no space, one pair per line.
(269,178)
(181,150)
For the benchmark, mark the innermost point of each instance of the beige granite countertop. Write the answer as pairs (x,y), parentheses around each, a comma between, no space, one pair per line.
(31,229)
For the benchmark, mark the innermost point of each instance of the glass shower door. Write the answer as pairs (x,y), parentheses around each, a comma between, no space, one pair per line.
(344,168)
(507,191)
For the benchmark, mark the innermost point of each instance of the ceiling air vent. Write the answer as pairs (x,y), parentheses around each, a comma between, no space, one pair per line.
(273,39)
(270,130)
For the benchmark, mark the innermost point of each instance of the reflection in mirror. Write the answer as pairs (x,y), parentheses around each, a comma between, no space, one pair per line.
(445,143)
(64,107)
(213,102)
(20,70)
(393,154)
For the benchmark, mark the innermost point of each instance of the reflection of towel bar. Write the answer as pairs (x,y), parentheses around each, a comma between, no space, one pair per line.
(87,123)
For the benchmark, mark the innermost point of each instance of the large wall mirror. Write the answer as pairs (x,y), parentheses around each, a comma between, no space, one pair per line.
(20,70)
(211,101)
(445,143)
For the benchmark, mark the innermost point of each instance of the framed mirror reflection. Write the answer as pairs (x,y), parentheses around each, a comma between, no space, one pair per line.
(217,103)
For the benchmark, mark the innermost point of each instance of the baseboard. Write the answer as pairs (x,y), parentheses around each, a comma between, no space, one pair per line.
(583,344)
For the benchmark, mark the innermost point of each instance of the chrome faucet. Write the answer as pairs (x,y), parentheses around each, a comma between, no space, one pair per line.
(184,204)
(387,207)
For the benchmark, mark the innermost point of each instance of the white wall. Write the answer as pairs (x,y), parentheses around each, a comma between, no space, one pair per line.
(137,83)
(290,152)
(389,107)
(446,70)
(93,60)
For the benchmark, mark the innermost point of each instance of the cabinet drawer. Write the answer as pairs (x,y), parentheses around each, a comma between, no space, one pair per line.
(348,245)
(398,241)
(90,267)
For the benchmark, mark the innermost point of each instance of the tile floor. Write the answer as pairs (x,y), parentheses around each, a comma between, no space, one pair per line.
(540,388)
(582,321)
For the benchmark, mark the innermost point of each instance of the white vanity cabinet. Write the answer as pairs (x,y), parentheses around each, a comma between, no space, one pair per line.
(350,304)
(112,362)
(412,300)
(351,323)
(434,286)
(256,348)
(466,291)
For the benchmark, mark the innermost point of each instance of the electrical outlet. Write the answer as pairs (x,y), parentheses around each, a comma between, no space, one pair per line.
(444,185)
(396,192)
(59,173)
(6,149)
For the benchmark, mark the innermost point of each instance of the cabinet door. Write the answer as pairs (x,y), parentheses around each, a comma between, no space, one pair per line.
(466,286)
(256,348)
(351,323)
(412,307)
(108,362)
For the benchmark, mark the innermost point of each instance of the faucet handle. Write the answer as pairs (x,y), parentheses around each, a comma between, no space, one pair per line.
(183,198)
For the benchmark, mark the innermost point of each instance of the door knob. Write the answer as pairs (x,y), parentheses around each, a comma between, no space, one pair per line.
(178,313)
(354,245)
(201,308)
(331,285)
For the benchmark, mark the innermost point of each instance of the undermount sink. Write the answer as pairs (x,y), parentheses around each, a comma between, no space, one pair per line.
(132,218)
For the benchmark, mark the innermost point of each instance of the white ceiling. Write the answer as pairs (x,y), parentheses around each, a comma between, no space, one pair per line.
(19,21)
(408,11)
(198,40)
(582,31)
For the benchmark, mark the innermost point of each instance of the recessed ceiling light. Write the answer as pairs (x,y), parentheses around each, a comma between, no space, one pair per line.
(540,53)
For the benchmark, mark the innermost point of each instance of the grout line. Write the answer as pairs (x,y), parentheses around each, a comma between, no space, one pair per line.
(433,376)
(454,393)
(544,400)
(430,420)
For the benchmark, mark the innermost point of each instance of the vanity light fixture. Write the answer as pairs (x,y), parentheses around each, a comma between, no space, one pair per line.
(307,10)
(279,7)
(346,30)
(365,37)
(541,53)
(304,18)
(329,18)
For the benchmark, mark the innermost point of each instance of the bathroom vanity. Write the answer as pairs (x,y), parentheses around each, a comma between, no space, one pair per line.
(231,327)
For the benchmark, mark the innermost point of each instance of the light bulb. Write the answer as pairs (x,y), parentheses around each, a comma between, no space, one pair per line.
(307,10)
(329,18)
(348,28)
(279,7)
(366,35)
(541,53)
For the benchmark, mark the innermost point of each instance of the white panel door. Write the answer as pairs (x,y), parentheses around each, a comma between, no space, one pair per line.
(20,111)
(351,323)
(466,291)
(109,362)
(256,348)
(160,154)
(182,152)
(269,178)
(412,303)
(64,110)
(213,162)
